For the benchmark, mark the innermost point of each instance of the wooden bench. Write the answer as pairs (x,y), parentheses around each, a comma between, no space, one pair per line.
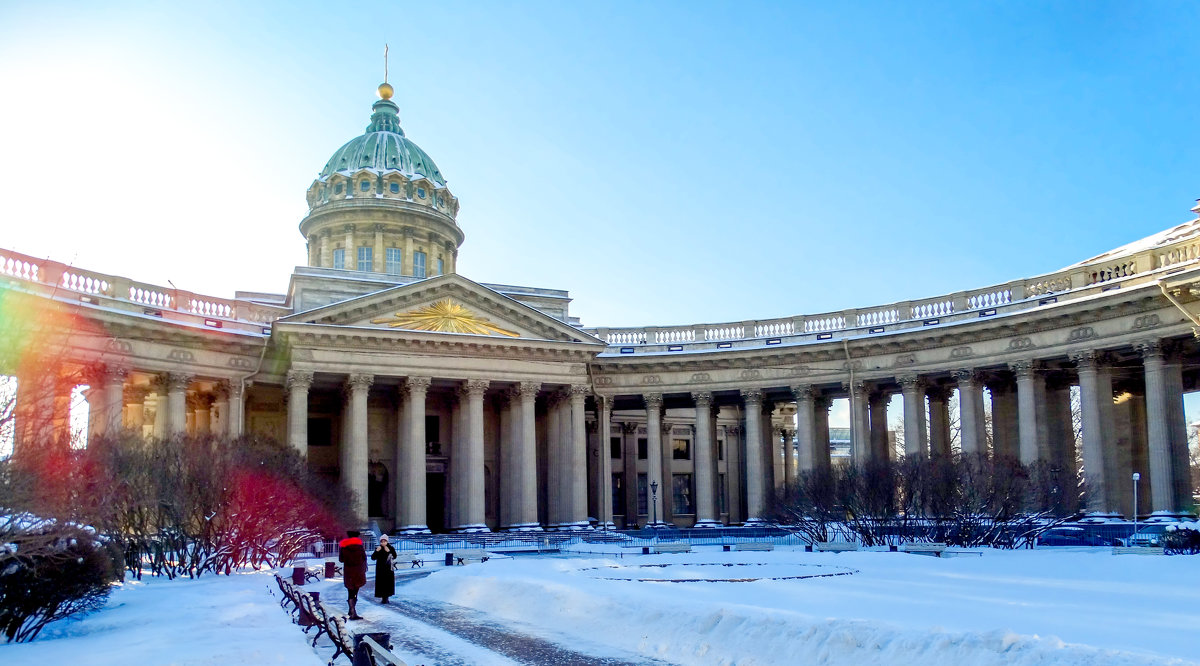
(935,549)
(672,548)
(1138,550)
(335,628)
(750,545)
(834,546)
(380,655)
(464,556)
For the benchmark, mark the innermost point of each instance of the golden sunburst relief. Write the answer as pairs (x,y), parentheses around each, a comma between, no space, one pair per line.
(444,316)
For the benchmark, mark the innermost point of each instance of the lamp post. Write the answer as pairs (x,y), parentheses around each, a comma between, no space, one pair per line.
(654,502)
(1136,477)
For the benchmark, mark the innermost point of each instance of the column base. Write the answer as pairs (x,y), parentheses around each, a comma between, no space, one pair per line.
(610,525)
(524,527)
(413,529)
(707,522)
(472,529)
(1172,516)
(754,522)
(660,525)
(573,527)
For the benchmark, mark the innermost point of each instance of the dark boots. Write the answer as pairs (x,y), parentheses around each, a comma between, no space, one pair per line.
(353,612)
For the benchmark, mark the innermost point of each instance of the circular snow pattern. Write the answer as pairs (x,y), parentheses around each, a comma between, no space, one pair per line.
(715,572)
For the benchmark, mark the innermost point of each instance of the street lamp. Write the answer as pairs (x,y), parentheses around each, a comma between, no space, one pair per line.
(1136,477)
(654,502)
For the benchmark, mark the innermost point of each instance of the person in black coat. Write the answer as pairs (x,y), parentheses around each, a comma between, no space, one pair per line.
(385,577)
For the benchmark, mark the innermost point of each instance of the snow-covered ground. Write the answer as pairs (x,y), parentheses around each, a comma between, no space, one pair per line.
(1061,606)
(1052,606)
(213,620)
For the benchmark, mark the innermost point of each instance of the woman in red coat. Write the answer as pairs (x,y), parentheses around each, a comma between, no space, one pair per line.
(353,557)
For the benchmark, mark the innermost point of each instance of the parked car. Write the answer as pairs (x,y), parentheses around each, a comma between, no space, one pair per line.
(1148,535)
(1071,536)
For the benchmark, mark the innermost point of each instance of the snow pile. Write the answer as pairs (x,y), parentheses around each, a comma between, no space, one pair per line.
(213,620)
(1001,608)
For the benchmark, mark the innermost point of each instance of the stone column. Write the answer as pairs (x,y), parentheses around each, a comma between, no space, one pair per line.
(377,260)
(877,404)
(806,433)
(411,511)
(654,448)
(468,460)
(576,459)
(326,250)
(298,383)
(860,424)
(972,436)
(1031,446)
(939,421)
(1005,425)
(135,409)
(666,507)
(604,420)
(114,401)
(202,408)
(220,409)
(916,441)
(629,460)
(237,408)
(734,472)
(1158,435)
(159,428)
(1059,428)
(351,248)
(525,514)
(1095,389)
(555,462)
(1177,431)
(354,454)
(705,462)
(176,402)
(821,452)
(756,496)
(770,449)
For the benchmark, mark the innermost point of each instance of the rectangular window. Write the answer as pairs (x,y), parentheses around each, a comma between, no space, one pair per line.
(642,448)
(721,494)
(681,449)
(441,266)
(643,493)
(618,494)
(339,258)
(419,264)
(720,449)
(681,493)
(394,261)
(614,448)
(364,259)
(433,435)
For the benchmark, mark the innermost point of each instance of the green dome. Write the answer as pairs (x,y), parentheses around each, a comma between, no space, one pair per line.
(383,148)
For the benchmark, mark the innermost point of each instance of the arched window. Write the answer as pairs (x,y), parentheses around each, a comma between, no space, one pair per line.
(395,188)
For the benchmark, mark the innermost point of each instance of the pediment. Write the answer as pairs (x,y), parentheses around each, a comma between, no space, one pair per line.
(448,304)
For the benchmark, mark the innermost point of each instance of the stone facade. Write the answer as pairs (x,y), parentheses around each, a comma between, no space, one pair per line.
(445,404)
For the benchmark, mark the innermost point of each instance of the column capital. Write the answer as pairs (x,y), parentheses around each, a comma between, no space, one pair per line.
(236,389)
(475,387)
(858,387)
(177,381)
(752,397)
(1089,359)
(136,393)
(733,430)
(804,392)
(629,427)
(1025,368)
(703,399)
(1153,348)
(413,385)
(653,401)
(298,380)
(199,401)
(359,382)
(529,389)
(579,391)
(966,376)
(911,383)
(603,402)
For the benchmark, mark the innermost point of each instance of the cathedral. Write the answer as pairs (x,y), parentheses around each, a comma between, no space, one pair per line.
(449,405)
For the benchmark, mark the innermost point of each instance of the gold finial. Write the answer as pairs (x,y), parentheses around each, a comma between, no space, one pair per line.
(385,89)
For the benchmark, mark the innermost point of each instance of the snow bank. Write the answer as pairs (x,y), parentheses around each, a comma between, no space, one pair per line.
(214,620)
(1002,608)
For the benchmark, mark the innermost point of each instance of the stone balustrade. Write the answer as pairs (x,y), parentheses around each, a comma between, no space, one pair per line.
(1071,283)
(110,290)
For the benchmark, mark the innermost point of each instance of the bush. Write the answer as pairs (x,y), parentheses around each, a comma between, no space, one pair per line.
(1182,539)
(48,571)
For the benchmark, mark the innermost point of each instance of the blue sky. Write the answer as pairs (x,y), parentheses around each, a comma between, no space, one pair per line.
(667,163)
